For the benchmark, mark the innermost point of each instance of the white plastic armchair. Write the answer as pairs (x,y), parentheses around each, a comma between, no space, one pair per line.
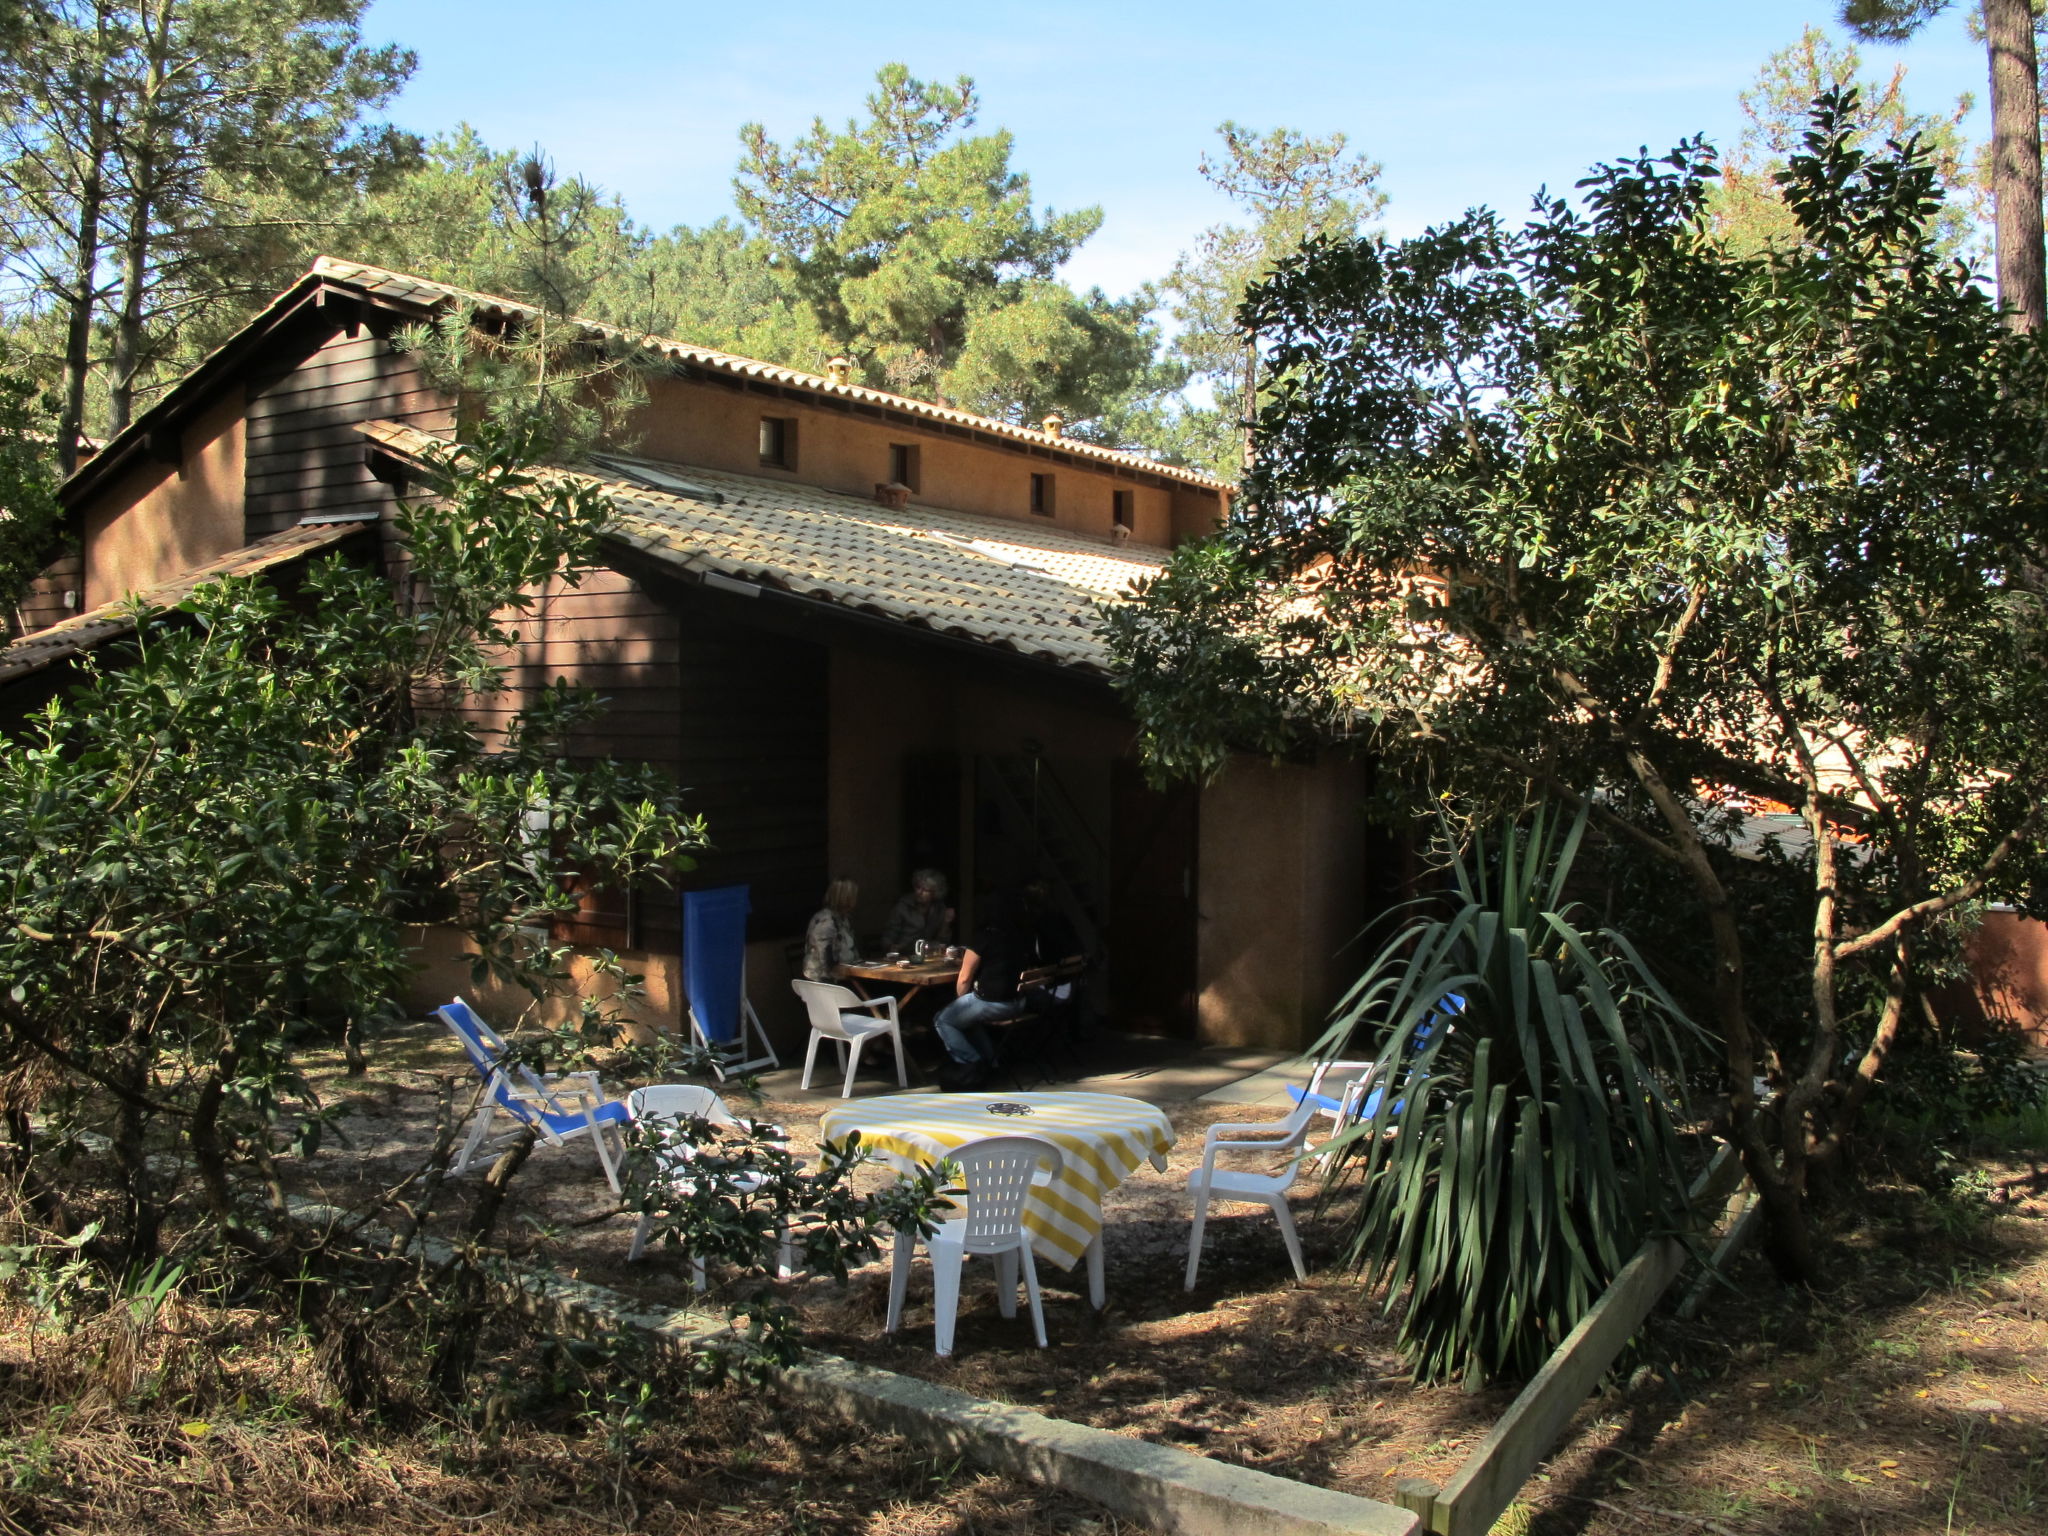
(999,1172)
(841,1015)
(1287,1137)
(674,1102)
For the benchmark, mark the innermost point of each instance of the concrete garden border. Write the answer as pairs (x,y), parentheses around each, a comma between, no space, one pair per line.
(1175,1491)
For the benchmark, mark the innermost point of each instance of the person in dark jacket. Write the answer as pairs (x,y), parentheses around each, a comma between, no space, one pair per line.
(986,992)
(920,913)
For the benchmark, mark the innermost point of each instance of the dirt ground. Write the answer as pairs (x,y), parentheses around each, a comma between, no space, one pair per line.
(1912,1396)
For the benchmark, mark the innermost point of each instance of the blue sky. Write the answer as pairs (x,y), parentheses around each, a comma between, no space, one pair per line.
(1113,104)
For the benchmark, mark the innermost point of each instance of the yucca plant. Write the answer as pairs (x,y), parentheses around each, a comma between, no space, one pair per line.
(1527,1138)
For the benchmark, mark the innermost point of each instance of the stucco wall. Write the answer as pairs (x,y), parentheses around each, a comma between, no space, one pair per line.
(686,422)
(161,519)
(2009,959)
(443,972)
(1282,894)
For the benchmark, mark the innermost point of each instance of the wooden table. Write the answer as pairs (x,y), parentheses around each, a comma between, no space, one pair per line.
(1102,1138)
(915,975)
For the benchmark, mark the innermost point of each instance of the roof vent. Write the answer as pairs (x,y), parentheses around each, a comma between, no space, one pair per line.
(1054,424)
(839,370)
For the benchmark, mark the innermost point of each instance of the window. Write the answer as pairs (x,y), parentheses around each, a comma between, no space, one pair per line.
(1041,495)
(903,464)
(778,442)
(1120,507)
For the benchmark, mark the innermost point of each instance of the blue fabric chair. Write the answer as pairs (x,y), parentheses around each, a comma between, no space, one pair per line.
(1359,1098)
(560,1107)
(715,979)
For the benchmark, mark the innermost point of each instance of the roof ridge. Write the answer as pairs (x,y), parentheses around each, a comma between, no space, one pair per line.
(354,271)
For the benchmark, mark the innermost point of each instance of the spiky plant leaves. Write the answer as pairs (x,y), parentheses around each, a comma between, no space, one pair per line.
(1526,1140)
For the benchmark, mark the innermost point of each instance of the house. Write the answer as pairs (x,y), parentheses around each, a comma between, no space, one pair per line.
(858,627)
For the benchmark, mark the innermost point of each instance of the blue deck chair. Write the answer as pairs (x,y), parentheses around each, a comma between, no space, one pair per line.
(715,979)
(1359,1098)
(561,1107)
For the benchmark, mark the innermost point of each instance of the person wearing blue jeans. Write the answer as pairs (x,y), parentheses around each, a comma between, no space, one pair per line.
(985,994)
(962,1026)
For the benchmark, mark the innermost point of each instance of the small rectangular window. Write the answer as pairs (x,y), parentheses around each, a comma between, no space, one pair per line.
(903,464)
(1041,495)
(778,442)
(1120,507)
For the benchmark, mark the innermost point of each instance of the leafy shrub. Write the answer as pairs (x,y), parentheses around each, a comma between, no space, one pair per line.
(1526,1141)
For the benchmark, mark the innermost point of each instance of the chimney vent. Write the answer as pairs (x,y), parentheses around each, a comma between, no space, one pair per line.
(1054,424)
(840,370)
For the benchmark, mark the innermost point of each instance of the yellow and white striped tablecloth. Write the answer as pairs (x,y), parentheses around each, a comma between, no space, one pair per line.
(1102,1138)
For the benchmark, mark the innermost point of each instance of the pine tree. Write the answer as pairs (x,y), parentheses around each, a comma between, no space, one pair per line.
(1295,187)
(1747,206)
(2008,29)
(910,240)
(159,157)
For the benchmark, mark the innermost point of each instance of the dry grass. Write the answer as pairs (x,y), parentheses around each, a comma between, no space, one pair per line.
(216,1420)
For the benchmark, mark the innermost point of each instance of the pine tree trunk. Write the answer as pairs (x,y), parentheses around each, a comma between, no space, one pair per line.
(143,163)
(126,361)
(79,303)
(2016,161)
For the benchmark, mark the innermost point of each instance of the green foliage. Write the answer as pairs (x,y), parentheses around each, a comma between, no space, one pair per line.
(1523,1143)
(908,238)
(547,377)
(719,287)
(1604,502)
(1295,187)
(1746,206)
(211,852)
(742,1194)
(161,161)
(28,486)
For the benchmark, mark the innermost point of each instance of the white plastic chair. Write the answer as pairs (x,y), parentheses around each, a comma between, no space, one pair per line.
(687,1101)
(999,1171)
(561,1107)
(1268,1189)
(1340,1102)
(836,1016)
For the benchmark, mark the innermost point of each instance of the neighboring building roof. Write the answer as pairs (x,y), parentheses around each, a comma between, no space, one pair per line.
(1035,592)
(419,292)
(73,636)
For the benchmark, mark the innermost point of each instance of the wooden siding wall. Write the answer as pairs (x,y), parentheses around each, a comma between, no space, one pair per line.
(738,716)
(43,603)
(303,452)
(755,741)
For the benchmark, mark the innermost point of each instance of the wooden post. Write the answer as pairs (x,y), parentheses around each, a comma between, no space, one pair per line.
(1418,1496)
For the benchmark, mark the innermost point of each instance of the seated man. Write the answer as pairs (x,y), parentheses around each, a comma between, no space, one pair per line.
(922,913)
(986,993)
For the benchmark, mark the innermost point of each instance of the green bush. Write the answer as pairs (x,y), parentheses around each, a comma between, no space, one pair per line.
(1526,1140)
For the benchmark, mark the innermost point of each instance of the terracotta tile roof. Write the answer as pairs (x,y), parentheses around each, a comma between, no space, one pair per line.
(81,632)
(424,294)
(1032,591)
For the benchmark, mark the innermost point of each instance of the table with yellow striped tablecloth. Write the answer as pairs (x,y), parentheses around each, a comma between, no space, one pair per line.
(1102,1138)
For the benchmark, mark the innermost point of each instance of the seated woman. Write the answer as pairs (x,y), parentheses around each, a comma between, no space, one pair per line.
(921,913)
(828,941)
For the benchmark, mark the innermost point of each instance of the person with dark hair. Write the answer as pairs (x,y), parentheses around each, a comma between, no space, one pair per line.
(986,992)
